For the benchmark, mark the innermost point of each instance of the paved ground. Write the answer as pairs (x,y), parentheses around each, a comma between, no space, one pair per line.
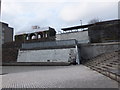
(54,77)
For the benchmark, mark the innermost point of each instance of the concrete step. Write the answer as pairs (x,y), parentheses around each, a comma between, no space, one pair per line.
(99,69)
(37,64)
(105,62)
(114,74)
(110,66)
(105,72)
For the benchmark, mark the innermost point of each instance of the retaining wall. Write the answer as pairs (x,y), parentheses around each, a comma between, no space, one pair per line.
(88,51)
(48,55)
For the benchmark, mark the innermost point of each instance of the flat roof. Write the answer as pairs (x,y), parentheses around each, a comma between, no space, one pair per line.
(76,27)
(86,26)
(42,29)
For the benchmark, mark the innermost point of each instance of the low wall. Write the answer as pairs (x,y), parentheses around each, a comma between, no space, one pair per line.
(88,51)
(48,55)
(48,45)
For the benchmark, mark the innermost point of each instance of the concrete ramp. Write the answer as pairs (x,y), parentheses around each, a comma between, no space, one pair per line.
(49,55)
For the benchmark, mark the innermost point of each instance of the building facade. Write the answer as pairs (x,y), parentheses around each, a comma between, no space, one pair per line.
(36,34)
(80,36)
(106,31)
(99,32)
(79,33)
(7,33)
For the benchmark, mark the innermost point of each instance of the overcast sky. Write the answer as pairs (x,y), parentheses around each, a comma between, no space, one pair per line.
(23,14)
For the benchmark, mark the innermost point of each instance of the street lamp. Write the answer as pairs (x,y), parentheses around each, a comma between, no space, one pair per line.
(81,23)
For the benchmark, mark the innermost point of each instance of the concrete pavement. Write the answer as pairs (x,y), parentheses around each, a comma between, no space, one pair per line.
(78,76)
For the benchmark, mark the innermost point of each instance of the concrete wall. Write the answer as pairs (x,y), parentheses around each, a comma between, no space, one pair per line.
(9,55)
(88,51)
(49,55)
(105,32)
(0,50)
(79,36)
(52,44)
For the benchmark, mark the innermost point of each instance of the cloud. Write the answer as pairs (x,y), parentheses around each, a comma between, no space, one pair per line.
(61,1)
(73,12)
(22,15)
(88,10)
(11,8)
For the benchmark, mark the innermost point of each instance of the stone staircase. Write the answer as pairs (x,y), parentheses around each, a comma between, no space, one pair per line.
(107,64)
